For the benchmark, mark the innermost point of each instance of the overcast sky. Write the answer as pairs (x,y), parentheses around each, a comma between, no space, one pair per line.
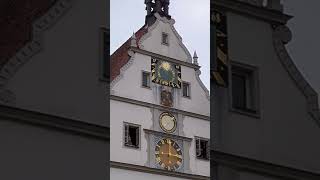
(304,47)
(192,23)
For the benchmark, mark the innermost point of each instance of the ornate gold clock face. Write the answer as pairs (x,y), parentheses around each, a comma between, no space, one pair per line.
(168,122)
(165,73)
(168,154)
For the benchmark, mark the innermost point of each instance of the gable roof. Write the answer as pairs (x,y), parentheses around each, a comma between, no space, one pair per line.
(16,19)
(121,57)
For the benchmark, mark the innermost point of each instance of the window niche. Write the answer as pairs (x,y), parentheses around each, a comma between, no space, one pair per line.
(145,79)
(202,148)
(186,89)
(132,135)
(244,89)
(165,39)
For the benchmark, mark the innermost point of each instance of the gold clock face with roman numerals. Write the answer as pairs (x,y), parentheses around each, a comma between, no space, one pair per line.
(168,154)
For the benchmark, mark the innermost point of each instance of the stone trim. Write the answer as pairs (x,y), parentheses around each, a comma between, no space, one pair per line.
(54,122)
(123,69)
(259,167)
(176,61)
(36,44)
(272,16)
(159,133)
(281,36)
(144,169)
(150,105)
(204,88)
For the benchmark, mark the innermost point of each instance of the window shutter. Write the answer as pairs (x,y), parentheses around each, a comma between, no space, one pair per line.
(126,134)
(198,149)
(137,137)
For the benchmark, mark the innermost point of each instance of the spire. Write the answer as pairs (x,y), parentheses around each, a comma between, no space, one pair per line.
(133,40)
(156,6)
(195,58)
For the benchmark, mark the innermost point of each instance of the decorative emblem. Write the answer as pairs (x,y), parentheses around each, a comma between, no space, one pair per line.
(220,49)
(166,97)
(167,122)
(165,73)
(168,154)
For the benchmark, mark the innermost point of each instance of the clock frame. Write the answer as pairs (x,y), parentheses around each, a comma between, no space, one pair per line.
(165,73)
(168,122)
(168,154)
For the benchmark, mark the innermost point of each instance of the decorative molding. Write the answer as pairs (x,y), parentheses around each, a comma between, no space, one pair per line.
(150,105)
(162,134)
(159,56)
(271,16)
(259,167)
(144,169)
(54,122)
(35,45)
(206,91)
(123,69)
(281,36)
(171,22)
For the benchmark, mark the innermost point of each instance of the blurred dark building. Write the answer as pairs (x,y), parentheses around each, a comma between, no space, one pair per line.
(53,86)
(265,115)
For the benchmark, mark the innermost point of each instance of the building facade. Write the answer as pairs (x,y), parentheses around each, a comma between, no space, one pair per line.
(159,106)
(265,114)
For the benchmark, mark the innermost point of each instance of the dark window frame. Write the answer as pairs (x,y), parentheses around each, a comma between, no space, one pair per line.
(252,91)
(188,89)
(204,152)
(126,135)
(165,38)
(148,85)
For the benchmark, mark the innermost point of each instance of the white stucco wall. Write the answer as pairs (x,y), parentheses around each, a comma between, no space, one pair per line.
(63,79)
(121,112)
(129,85)
(285,134)
(201,128)
(152,41)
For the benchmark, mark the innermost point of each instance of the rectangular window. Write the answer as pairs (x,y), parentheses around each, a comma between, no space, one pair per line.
(185,89)
(146,79)
(202,148)
(131,135)
(244,88)
(165,39)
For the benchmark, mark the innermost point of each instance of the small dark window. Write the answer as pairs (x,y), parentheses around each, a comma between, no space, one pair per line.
(131,135)
(239,91)
(186,89)
(145,79)
(244,89)
(202,148)
(165,39)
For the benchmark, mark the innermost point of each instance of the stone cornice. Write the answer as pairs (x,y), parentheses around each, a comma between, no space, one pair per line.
(33,47)
(150,105)
(259,167)
(272,16)
(149,170)
(54,122)
(149,131)
(281,36)
(176,61)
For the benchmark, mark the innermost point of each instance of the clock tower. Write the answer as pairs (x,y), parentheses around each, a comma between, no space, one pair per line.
(160,124)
